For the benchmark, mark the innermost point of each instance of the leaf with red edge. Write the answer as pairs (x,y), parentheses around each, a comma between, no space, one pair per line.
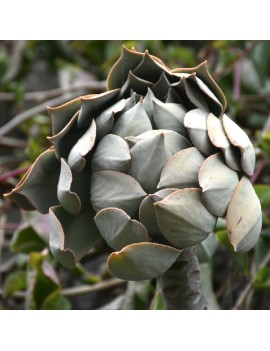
(142,261)
(71,237)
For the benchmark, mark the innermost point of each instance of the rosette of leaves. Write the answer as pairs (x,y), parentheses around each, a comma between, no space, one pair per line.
(148,166)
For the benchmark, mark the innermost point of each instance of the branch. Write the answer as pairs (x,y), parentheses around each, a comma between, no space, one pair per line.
(13,173)
(15,61)
(237,80)
(79,290)
(7,226)
(180,284)
(249,286)
(86,289)
(235,59)
(8,264)
(96,87)
(22,117)
(12,142)
(3,219)
(7,159)
(259,170)
(253,98)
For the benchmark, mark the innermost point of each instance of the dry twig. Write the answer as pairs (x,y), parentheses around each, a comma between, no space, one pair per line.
(245,292)
(15,61)
(24,116)
(235,59)
(13,173)
(86,289)
(91,86)
(82,289)
(12,142)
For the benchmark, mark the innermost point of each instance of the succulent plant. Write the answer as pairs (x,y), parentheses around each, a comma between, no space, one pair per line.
(148,166)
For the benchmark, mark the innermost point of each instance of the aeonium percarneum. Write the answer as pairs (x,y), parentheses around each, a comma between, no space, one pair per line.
(148,166)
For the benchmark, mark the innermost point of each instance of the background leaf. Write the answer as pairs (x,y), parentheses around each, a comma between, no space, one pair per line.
(26,240)
(40,284)
(55,301)
(263,193)
(14,282)
(158,302)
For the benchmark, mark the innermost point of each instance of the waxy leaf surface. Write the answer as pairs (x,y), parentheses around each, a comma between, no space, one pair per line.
(141,261)
(118,229)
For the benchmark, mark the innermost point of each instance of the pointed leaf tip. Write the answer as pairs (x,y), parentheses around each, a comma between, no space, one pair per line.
(183,219)
(68,199)
(141,261)
(181,170)
(118,229)
(217,182)
(195,122)
(71,237)
(38,188)
(115,189)
(111,154)
(244,217)
(149,156)
(83,146)
(240,139)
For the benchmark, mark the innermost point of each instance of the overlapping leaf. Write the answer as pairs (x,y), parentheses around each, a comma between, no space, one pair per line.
(141,261)
(181,171)
(132,122)
(118,229)
(37,189)
(195,122)
(71,237)
(183,219)
(112,154)
(147,211)
(148,157)
(244,217)
(217,182)
(115,189)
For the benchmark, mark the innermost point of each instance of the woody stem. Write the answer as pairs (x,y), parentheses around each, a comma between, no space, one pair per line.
(181,285)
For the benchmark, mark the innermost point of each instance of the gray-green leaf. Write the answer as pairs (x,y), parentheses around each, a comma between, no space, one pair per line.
(182,169)
(115,189)
(169,116)
(111,154)
(150,155)
(141,261)
(195,121)
(147,211)
(76,159)
(183,219)
(239,139)
(71,237)
(244,217)
(132,122)
(37,189)
(218,183)
(118,229)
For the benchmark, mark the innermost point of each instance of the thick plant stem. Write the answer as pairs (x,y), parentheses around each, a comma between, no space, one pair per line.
(180,284)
